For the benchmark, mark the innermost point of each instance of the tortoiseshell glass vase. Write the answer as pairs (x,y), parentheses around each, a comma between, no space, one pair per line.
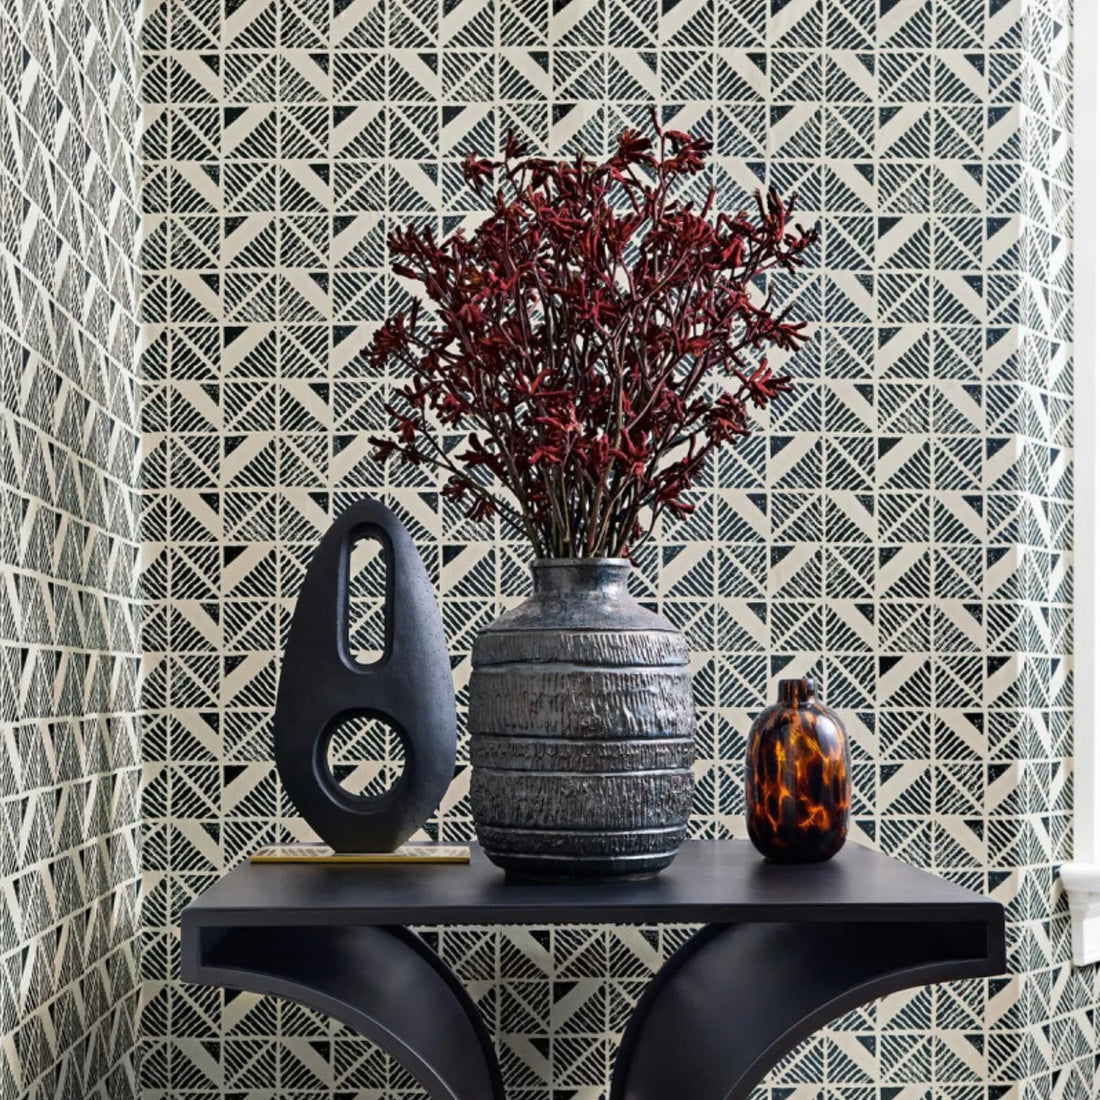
(798,786)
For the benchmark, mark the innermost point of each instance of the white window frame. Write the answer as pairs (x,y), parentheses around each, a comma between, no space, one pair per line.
(1081,878)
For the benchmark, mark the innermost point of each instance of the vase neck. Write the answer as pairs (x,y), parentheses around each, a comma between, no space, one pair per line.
(607,576)
(794,692)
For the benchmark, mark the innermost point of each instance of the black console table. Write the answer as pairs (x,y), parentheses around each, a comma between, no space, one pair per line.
(783,950)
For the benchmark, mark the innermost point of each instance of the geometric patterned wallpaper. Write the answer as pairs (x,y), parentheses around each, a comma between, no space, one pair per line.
(902,525)
(70,762)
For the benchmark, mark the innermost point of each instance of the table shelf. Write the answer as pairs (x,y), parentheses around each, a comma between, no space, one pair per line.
(782,950)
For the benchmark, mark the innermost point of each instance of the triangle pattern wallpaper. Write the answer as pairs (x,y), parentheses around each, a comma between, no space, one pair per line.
(70,651)
(184,411)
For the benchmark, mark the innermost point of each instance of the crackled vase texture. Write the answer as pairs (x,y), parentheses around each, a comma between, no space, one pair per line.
(581,723)
(798,787)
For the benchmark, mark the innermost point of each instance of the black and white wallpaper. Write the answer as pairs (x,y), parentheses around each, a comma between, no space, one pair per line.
(70,762)
(902,525)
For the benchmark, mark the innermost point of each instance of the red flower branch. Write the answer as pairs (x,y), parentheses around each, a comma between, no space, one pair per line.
(596,338)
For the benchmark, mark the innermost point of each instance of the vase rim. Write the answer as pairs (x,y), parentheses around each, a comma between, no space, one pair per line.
(564,563)
(797,689)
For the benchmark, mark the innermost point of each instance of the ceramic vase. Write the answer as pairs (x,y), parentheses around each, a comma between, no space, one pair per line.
(581,723)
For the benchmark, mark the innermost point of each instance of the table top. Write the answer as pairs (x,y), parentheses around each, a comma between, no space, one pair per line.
(711,881)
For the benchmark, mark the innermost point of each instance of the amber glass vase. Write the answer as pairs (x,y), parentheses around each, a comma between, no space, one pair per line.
(798,786)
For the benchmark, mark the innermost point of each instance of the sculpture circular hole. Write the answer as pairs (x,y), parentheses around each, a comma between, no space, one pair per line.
(365,756)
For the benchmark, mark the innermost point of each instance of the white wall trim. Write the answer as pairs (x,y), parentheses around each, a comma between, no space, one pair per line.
(1081,878)
(1082,884)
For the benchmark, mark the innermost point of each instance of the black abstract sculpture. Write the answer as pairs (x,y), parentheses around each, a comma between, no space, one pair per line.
(322,687)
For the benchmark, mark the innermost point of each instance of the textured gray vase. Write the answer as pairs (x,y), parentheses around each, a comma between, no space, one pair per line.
(581,723)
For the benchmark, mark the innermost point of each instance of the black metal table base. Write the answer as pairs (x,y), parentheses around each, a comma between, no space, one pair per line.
(385,983)
(734,1000)
(769,968)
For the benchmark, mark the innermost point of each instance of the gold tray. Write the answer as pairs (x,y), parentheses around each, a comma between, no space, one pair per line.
(322,853)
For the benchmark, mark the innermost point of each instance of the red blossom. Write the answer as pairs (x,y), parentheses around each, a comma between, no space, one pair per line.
(762,386)
(596,337)
(513,147)
(476,170)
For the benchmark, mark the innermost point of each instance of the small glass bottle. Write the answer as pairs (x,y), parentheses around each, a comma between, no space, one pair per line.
(798,787)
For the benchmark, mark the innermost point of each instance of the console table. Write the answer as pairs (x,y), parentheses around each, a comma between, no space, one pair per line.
(783,950)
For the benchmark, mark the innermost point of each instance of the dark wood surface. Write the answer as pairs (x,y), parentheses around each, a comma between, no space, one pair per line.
(738,997)
(383,982)
(783,950)
(711,881)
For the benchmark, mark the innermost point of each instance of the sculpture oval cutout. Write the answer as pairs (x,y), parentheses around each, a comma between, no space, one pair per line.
(322,686)
(365,756)
(368,574)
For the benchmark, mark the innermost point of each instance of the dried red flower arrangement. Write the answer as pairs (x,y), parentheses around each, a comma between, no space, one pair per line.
(596,339)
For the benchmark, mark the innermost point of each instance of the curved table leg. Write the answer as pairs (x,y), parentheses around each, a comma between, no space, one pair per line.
(386,983)
(736,998)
